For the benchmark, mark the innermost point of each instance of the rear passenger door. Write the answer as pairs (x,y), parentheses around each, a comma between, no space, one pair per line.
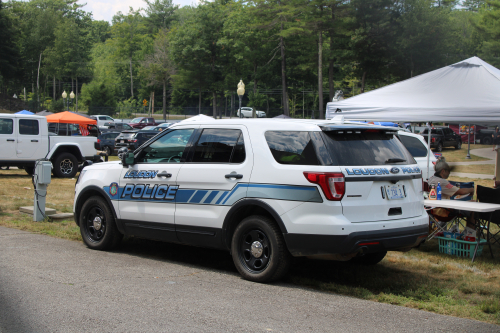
(216,175)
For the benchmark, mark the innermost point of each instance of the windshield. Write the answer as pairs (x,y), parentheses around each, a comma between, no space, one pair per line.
(373,147)
(136,120)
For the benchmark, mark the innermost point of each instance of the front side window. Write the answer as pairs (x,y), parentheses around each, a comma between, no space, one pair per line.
(414,146)
(220,146)
(6,126)
(136,120)
(167,149)
(28,127)
(290,147)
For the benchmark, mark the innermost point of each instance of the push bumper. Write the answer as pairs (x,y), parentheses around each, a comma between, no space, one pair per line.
(364,241)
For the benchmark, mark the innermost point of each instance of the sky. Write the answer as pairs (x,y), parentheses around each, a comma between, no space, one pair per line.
(105,9)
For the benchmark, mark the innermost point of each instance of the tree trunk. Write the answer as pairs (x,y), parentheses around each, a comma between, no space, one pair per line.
(363,82)
(232,106)
(76,95)
(199,100)
(54,88)
(286,111)
(320,74)
(131,80)
(164,101)
(331,84)
(214,103)
(255,78)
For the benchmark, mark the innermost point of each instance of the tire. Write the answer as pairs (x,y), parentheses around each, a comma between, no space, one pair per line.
(29,170)
(439,147)
(98,226)
(487,140)
(108,150)
(273,260)
(370,259)
(65,165)
(459,145)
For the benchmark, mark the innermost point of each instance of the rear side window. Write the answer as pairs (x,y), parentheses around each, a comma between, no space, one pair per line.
(414,146)
(220,146)
(28,127)
(290,147)
(6,126)
(373,147)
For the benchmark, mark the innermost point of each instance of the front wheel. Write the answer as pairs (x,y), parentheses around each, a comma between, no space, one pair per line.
(487,140)
(107,150)
(459,145)
(98,226)
(65,165)
(259,251)
(439,147)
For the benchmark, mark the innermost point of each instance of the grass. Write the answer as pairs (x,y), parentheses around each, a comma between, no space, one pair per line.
(487,169)
(454,155)
(421,278)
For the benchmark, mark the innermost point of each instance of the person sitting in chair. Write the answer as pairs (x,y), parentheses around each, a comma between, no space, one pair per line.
(448,190)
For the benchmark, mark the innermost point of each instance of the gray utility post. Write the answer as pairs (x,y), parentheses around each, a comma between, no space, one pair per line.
(41,179)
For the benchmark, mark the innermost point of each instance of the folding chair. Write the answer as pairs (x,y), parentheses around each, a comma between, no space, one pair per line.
(437,224)
(489,195)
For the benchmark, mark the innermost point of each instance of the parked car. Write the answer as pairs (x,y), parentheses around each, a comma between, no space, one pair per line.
(107,142)
(443,137)
(246,112)
(115,127)
(132,139)
(26,139)
(417,147)
(142,122)
(102,119)
(165,125)
(484,136)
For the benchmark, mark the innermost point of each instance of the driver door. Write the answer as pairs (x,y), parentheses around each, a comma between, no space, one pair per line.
(148,187)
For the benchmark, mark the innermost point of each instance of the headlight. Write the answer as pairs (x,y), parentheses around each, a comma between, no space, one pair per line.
(80,176)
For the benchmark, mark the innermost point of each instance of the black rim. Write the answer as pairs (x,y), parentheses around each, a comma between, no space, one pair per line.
(254,263)
(95,224)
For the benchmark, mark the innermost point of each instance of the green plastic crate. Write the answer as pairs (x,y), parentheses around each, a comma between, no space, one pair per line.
(460,248)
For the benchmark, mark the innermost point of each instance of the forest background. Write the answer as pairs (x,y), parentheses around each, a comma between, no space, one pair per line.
(292,54)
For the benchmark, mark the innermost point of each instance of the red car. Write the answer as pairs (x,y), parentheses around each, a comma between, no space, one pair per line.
(142,122)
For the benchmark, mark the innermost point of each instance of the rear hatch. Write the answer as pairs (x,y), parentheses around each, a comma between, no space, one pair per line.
(125,138)
(382,180)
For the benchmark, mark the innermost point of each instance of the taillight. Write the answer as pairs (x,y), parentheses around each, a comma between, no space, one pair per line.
(98,141)
(133,140)
(332,183)
(433,139)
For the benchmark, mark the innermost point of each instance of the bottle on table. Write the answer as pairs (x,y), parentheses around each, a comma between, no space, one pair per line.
(432,193)
(438,192)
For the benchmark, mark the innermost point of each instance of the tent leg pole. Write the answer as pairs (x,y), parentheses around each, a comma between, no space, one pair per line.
(429,151)
(468,144)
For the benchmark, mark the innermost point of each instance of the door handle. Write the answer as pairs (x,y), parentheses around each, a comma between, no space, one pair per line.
(164,174)
(11,140)
(234,175)
(34,140)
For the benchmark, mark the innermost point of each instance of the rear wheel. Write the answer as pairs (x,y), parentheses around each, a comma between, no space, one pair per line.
(65,165)
(459,145)
(487,140)
(98,226)
(259,251)
(439,147)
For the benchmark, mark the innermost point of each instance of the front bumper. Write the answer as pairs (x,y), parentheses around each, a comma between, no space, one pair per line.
(361,241)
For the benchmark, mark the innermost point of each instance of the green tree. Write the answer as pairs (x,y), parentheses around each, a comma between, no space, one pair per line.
(128,32)
(489,27)
(9,52)
(158,67)
(160,14)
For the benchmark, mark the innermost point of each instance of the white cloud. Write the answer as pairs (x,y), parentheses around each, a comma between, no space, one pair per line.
(106,9)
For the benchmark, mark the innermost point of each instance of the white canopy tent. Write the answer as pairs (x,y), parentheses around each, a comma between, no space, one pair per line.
(466,92)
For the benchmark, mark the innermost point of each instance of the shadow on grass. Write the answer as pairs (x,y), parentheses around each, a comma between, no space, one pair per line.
(339,277)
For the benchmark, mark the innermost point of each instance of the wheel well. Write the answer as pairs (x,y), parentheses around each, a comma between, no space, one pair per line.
(83,196)
(244,209)
(68,149)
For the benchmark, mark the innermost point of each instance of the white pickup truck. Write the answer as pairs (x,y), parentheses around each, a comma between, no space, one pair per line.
(24,139)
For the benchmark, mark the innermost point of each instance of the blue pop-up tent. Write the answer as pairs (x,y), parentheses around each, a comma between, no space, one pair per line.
(25,112)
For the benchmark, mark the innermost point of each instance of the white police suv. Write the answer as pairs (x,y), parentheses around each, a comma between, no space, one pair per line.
(264,189)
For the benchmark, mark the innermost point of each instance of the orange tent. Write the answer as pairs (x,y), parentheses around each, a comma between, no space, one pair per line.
(67,117)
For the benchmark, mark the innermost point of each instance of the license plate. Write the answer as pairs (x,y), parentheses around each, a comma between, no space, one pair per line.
(123,141)
(395,192)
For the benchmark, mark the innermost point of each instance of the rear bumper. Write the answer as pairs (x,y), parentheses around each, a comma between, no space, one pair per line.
(381,240)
